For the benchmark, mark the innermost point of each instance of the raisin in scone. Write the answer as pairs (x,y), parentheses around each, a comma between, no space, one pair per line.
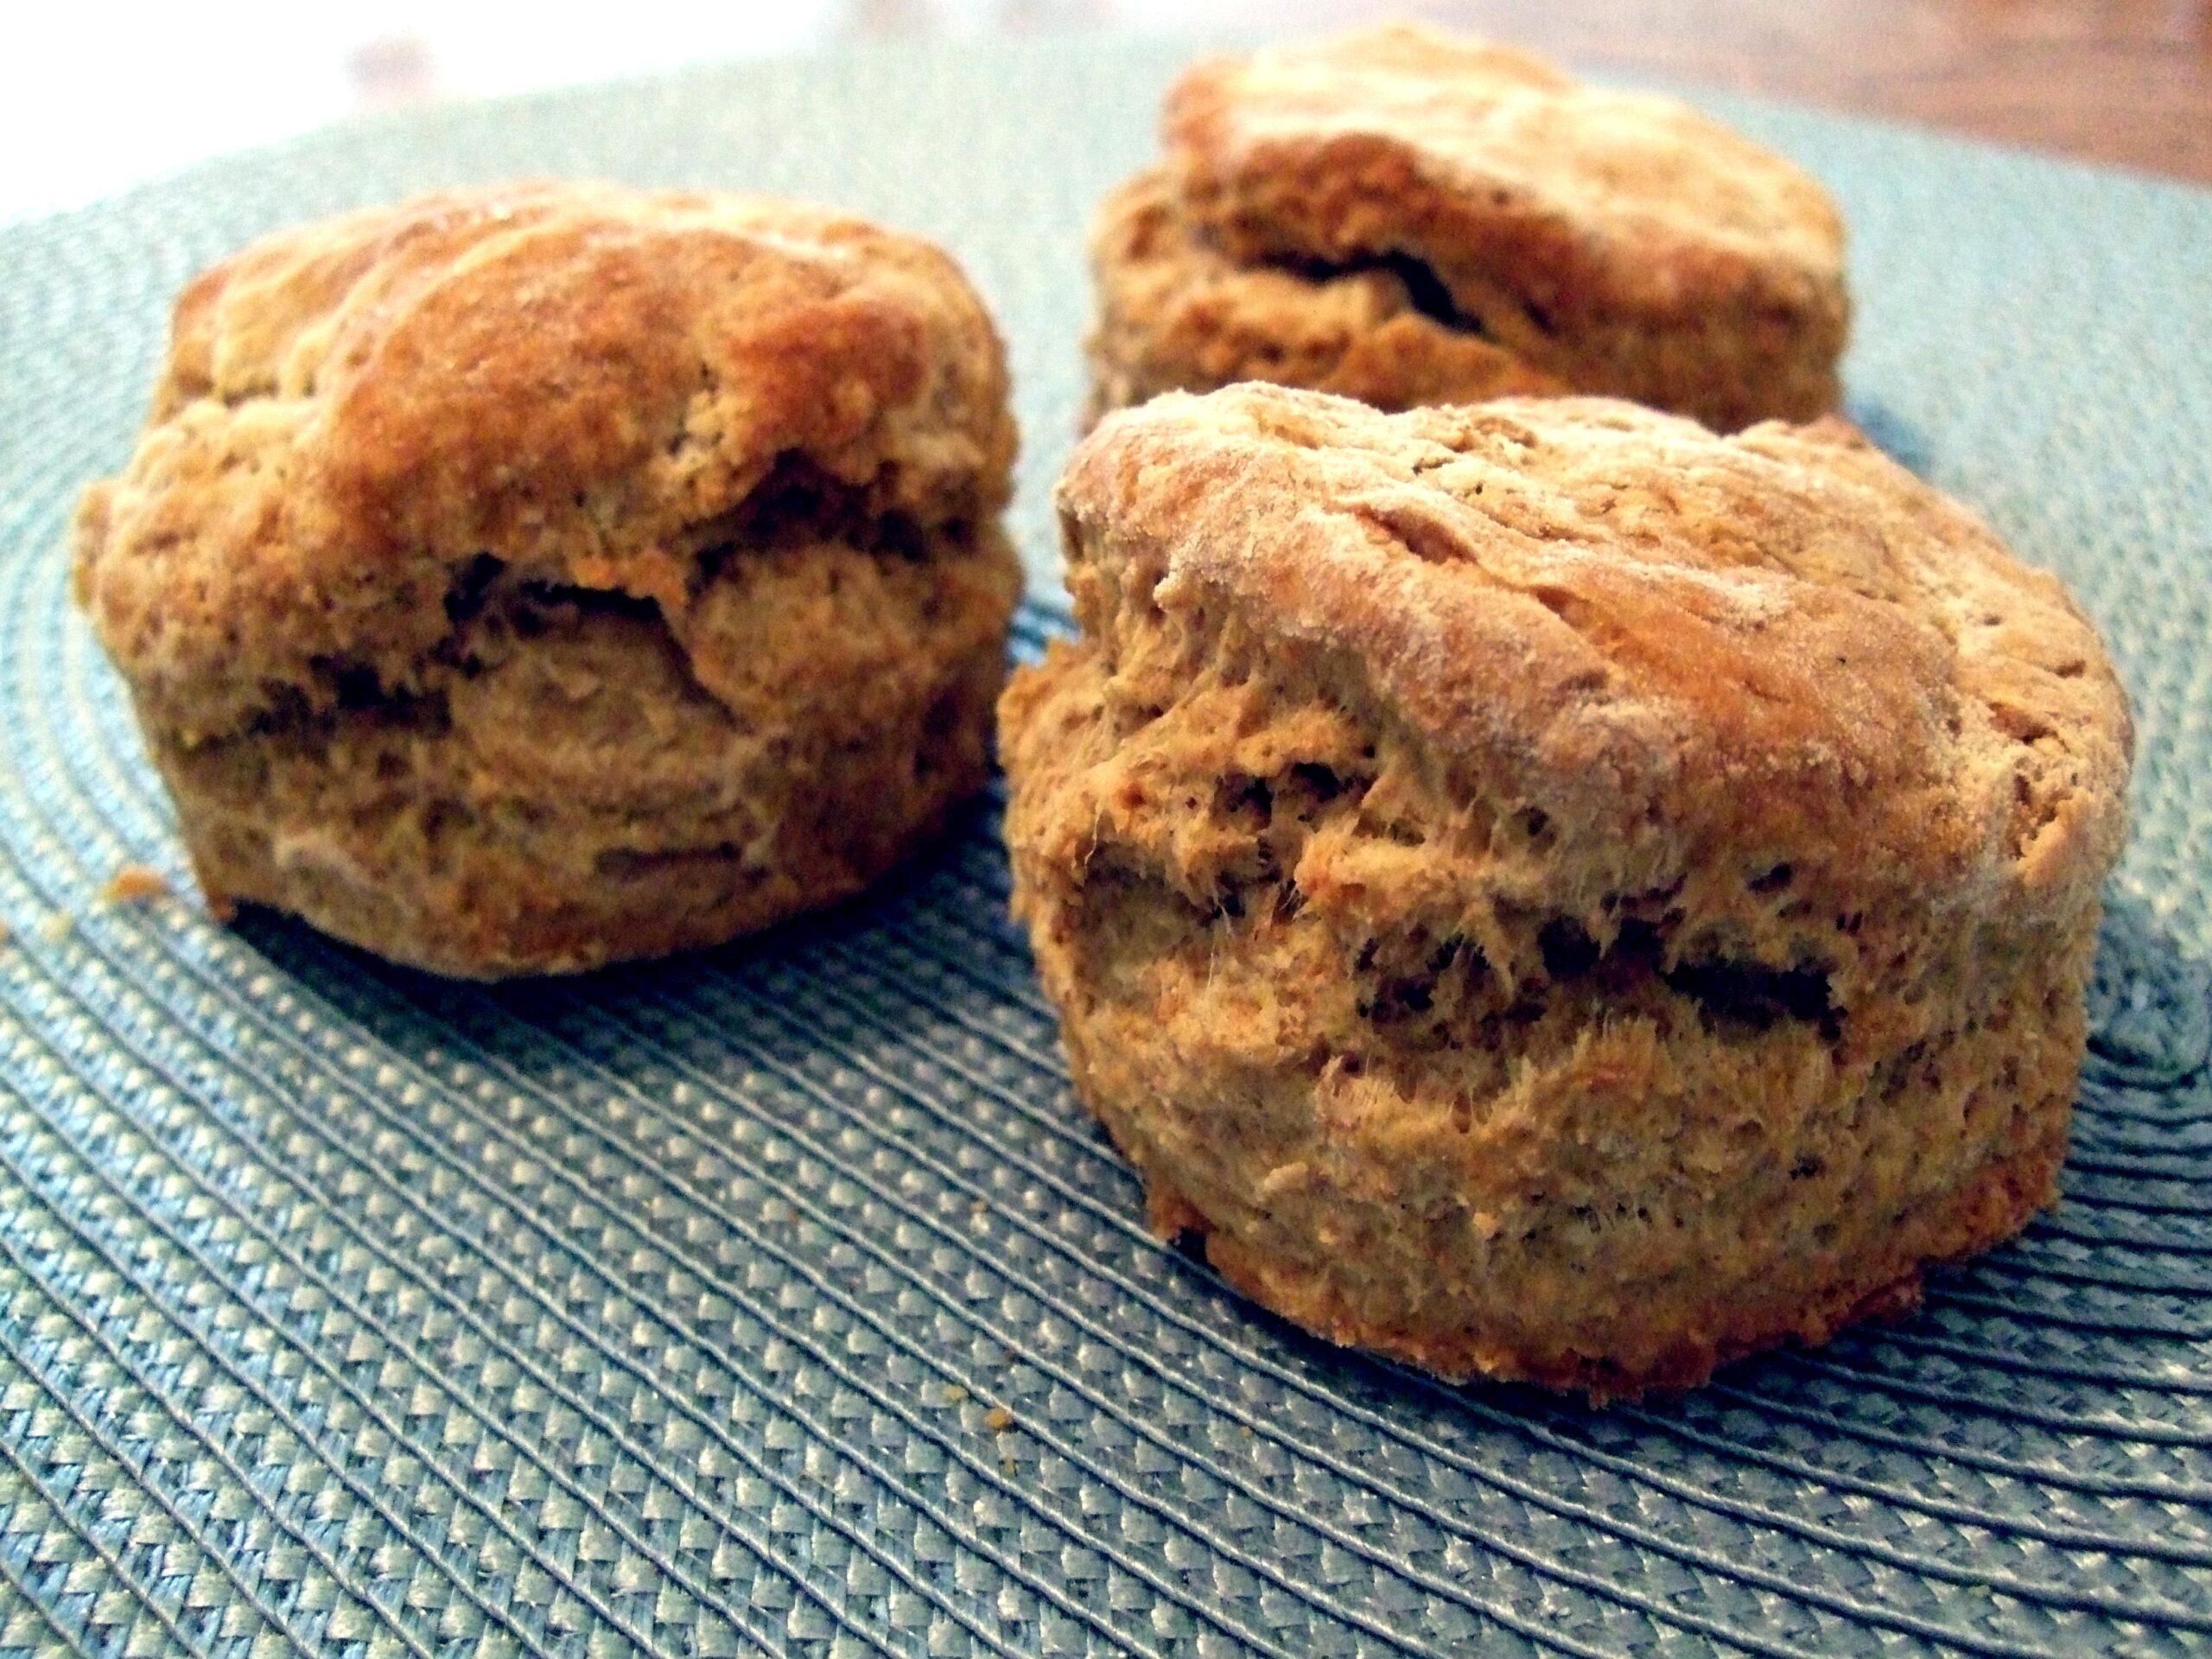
(519,579)
(1549,892)
(1409,218)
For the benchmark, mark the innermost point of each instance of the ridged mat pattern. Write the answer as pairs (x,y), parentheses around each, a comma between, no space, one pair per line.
(782,1299)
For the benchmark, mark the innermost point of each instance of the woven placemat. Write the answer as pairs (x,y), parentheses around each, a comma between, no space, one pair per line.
(781,1300)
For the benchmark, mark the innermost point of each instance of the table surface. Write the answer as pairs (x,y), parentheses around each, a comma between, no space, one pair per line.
(85,108)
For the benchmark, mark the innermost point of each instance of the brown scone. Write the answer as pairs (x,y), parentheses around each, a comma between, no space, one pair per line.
(1409,219)
(1176,314)
(519,580)
(1550,892)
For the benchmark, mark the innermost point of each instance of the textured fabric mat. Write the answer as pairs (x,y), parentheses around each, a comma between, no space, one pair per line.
(782,1300)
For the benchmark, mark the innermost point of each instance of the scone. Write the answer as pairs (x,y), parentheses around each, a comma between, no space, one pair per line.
(1552,893)
(1407,217)
(519,580)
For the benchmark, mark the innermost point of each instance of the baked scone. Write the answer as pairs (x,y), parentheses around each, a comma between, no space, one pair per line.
(1177,314)
(1550,892)
(1408,218)
(523,579)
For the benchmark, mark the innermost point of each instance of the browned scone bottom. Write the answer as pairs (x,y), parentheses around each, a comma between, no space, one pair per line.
(524,580)
(1549,893)
(574,783)
(1410,218)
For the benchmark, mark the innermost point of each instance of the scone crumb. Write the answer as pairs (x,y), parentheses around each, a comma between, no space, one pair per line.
(954,1394)
(56,928)
(998,1419)
(134,883)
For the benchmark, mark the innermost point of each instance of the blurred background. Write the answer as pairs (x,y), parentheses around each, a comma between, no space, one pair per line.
(95,97)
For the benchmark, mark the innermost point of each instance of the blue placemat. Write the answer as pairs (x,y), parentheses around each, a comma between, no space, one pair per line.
(781,1300)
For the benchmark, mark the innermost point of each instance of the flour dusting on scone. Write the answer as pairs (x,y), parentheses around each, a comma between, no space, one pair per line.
(521,579)
(1410,218)
(1550,892)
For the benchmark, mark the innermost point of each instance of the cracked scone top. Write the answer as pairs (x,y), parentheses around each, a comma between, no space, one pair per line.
(1407,217)
(520,579)
(1549,892)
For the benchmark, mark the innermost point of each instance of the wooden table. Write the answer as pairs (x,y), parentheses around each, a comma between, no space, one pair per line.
(84,109)
(2125,82)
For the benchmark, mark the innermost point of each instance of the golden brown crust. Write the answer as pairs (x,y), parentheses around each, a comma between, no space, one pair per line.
(1622,617)
(1675,1355)
(398,456)
(1619,243)
(1551,892)
(578,380)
